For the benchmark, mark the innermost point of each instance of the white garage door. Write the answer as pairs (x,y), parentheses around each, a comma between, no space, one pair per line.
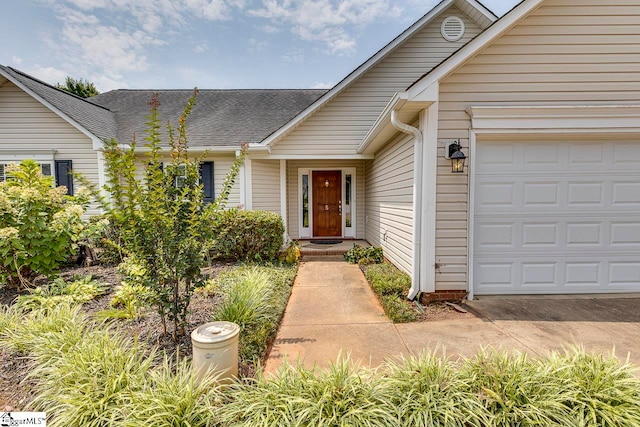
(557,218)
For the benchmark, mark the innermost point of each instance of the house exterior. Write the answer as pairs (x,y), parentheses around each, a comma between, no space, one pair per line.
(544,103)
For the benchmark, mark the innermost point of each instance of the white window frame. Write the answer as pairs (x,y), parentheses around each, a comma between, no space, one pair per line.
(41,157)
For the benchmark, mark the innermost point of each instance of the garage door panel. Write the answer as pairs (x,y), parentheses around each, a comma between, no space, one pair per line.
(549,276)
(625,194)
(574,229)
(625,234)
(538,234)
(541,194)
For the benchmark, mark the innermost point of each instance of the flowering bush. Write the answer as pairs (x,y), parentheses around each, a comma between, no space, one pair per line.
(39,224)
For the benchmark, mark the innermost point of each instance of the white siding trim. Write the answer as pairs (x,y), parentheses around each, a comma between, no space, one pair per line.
(471,210)
(429,124)
(283,195)
(248,191)
(313,156)
(102,177)
(555,119)
(304,232)
(243,184)
(354,209)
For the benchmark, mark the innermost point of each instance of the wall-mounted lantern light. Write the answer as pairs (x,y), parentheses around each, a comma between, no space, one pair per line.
(457,157)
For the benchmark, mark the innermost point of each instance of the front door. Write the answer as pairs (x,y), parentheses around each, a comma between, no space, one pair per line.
(327,203)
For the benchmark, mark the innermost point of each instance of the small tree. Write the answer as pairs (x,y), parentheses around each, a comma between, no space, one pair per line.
(160,214)
(80,87)
(39,225)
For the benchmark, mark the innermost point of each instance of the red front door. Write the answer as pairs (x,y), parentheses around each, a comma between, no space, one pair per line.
(327,203)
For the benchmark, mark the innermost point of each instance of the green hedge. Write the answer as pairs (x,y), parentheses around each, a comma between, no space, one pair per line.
(248,235)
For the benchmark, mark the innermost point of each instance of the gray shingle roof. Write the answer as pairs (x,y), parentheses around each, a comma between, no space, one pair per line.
(219,118)
(94,118)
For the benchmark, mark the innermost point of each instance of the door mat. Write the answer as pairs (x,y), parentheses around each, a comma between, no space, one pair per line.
(325,242)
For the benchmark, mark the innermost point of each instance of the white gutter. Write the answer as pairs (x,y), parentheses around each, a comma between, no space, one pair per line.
(417,198)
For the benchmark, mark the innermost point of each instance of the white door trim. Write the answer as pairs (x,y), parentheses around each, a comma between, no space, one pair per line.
(307,232)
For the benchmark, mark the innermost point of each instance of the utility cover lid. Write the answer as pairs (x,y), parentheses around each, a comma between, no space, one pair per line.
(215,332)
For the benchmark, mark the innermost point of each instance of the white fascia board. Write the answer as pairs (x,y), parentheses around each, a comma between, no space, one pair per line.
(379,135)
(260,156)
(96,142)
(383,120)
(381,54)
(190,150)
(483,10)
(555,119)
(474,46)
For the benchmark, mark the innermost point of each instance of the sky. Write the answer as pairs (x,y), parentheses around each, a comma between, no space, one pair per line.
(211,44)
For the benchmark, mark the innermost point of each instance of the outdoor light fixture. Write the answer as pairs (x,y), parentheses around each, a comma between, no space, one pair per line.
(457,157)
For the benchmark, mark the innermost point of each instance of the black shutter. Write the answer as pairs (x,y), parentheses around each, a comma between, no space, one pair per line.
(206,176)
(64,176)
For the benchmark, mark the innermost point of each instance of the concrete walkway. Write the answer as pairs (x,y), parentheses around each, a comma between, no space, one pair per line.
(333,311)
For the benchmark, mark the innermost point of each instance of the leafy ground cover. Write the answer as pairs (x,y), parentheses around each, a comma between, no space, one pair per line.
(88,373)
(17,388)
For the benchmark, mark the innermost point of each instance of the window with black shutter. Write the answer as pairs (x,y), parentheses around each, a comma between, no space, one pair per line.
(206,177)
(64,176)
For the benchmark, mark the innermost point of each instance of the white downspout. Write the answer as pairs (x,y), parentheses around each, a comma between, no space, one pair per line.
(417,198)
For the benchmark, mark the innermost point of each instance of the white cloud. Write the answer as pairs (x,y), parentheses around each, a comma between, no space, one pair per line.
(16,60)
(325,21)
(322,85)
(50,75)
(202,47)
(294,55)
(210,9)
(256,45)
(106,83)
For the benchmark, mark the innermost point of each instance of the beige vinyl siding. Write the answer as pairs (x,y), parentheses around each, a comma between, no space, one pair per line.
(566,52)
(265,190)
(389,201)
(27,124)
(339,127)
(294,212)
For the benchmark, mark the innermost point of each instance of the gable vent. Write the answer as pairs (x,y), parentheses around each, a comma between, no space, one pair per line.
(452,28)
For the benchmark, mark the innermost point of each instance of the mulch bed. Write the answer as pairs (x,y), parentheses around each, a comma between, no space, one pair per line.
(15,393)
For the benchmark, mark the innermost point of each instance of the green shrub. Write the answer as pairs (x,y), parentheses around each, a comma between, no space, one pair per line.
(291,255)
(517,390)
(173,396)
(163,227)
(90,385)
(429,391)
(364,255)
(245,301)
(601,391)
(391,286)
(77,291)
(387,279)
(255,297)
(40,226)
(248,235)
(397,310)
(339,396)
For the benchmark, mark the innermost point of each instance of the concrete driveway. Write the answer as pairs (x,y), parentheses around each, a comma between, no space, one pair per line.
(333,311)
